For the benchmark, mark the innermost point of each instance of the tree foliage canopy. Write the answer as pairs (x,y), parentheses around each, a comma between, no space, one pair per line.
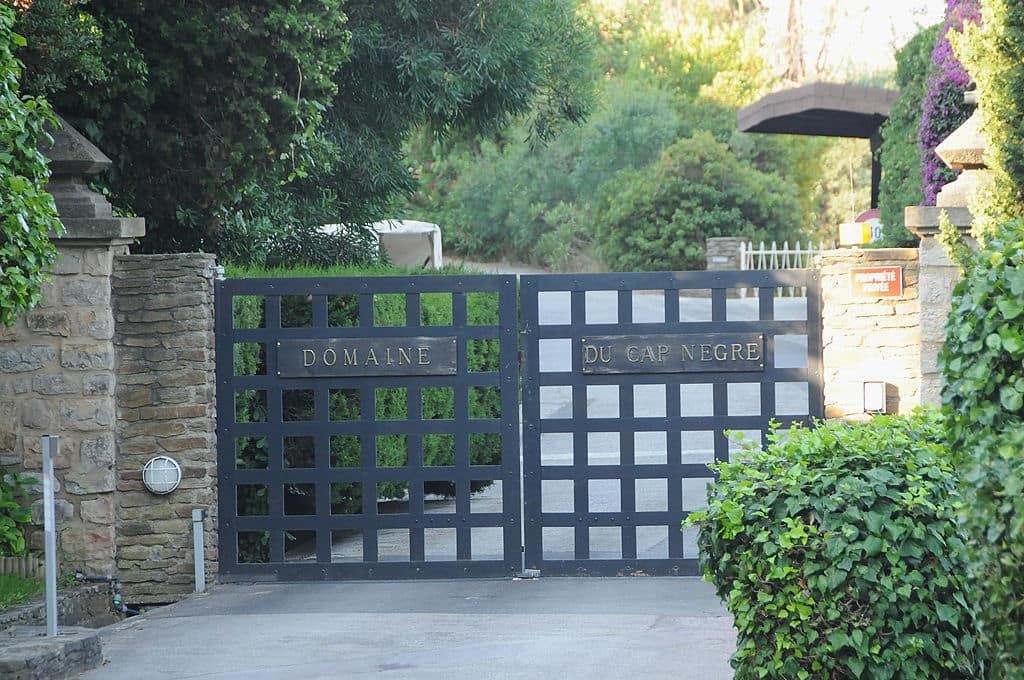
(660,217)
(464,66)
(209,109)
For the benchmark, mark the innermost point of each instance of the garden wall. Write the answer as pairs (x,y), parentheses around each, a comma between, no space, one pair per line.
(117,359)
(869,338)
(57,376)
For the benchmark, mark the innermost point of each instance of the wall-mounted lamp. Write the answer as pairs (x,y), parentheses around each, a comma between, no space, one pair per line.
(161,475)
(874,397)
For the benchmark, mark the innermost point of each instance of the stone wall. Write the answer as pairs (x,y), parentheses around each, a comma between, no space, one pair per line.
(723,252)
(870,339)
(89,606)
(57,377)
(163,307)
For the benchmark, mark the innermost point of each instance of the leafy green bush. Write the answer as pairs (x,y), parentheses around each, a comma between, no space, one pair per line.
(659,218)
(278,231)
(14,511)
(27,212)
(983,396)
(497,202)
(839,554)
(993,515)
(981,361)
(900,155)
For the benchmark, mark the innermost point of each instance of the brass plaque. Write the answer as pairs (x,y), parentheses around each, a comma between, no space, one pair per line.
(353,357)
(696,353)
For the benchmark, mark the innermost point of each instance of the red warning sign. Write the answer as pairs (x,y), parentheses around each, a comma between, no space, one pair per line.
(872,282)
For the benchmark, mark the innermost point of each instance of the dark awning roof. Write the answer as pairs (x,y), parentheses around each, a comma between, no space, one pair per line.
(821,109)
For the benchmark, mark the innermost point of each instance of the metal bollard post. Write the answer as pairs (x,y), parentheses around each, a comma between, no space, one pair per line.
(51,445)
(197,547)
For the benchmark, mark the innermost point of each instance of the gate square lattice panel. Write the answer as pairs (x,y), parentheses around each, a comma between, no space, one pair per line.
(368,427)
(630,385)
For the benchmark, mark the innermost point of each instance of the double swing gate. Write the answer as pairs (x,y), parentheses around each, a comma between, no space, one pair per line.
(447,426)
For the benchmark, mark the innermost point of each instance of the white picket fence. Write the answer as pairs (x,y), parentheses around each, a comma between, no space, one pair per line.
(796,256)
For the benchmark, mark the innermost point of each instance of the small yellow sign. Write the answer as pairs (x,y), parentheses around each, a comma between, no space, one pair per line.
(854,233)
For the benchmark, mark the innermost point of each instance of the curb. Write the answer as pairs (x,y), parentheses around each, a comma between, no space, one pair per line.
(28,654)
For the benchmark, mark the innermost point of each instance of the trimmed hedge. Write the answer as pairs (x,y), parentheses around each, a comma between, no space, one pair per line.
(839,553)
(993,487)
(391,403)
(983,398)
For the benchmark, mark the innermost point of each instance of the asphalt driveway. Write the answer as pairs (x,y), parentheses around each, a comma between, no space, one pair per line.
(544,628)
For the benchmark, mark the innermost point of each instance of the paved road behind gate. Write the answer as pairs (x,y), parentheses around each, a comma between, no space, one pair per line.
(592,628)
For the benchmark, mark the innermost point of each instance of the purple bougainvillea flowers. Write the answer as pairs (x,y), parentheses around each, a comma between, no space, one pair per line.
(944,110)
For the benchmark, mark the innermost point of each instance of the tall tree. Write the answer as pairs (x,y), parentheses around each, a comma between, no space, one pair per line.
(796,69)
(231,105)
(448,65)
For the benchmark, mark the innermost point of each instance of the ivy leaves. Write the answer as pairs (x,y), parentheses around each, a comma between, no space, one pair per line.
(982,366)
(27,212)
(982,361)
(839,554)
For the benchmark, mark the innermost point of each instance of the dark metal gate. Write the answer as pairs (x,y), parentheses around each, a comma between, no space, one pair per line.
(632,384)
(368,427)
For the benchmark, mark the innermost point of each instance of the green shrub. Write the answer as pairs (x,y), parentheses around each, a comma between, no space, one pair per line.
(278,230)
(981,361)
(900,155)
(993,515)
(14,511)
(983,396)
(839,554)
(659,218)
(27,212)
(501,197)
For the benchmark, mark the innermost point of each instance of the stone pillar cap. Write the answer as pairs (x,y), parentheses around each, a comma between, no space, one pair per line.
(73,154)
(923,221)
(965,146)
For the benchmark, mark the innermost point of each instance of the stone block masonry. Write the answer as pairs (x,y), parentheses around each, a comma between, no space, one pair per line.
(165,397)
(869,338)
(723,252)
(57,377)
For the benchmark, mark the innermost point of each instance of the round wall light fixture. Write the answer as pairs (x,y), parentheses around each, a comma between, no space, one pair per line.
(161,475)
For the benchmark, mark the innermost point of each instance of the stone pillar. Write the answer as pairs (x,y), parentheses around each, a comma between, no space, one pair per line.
(869,339)
(164,313)
(963,150)
(57,362)
(723,252)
